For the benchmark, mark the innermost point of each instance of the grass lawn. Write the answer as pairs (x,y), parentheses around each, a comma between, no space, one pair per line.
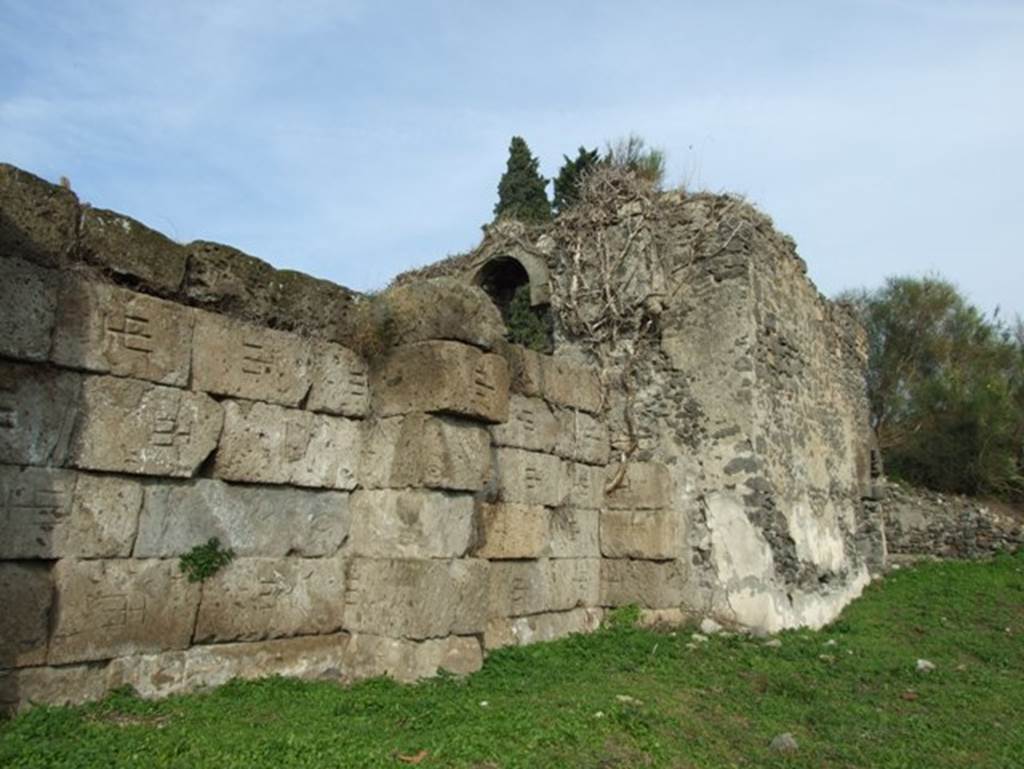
(622,697)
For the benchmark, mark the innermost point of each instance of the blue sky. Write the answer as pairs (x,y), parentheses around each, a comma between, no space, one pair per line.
(353,140)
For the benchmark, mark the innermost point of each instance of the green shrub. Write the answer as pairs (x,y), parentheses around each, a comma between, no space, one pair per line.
(203,561)
(527,325)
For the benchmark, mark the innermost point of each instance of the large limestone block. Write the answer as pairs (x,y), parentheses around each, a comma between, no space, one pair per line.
(53,513)
(370,656)
(649,584)
(250,599)
(645,486)
(416,598)
(38,409)
(230,357)
(519,588)
(445,377)
(411,524)
(568,383)
(530,478)
(250,520)
(509,530)
(339,381)
(524,370)
(586,484)
(573,533)
(582,438)
(125,247)
(271,444)
(131,426)
(28,296)
(25,598)
(530,425)
(651,534)
(107,609)
(435,452)
(520,631)
(23,688)
(443,308)
(112,330)
(38,220)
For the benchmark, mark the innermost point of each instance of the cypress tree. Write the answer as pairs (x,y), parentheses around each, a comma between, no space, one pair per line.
(521,191)
(567,183)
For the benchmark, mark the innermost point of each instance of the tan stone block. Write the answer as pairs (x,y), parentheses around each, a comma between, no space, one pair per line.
(38,220)
(573,533)
(135,427)
(416,598)
(38,409)
(524,370)
(52,513)
(520,631)
(339,381)
(443,308)
(649,584)
(441,453)
(23,688)
(441,377)
(112,608)
(530,425)
(378,441)
(126,247)
(581,438)
(652,534)
(25,598)
(113,330)
(251,599)
(570,383)
(263,443)
(370,656)
(509,530)
(645,486)
(528,477)
(230,357)
(586,485)
(310,657)
(250,520)
(518,588)
(410,524)
(573,582)
(28,296)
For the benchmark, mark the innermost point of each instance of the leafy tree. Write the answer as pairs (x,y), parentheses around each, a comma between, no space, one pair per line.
(572,172)
(521,191)
(633,154)
(946,388)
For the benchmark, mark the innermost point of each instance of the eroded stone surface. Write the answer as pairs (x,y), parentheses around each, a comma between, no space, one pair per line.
(649,584)
(438,453)
(573,533)
(411,524)
(524,370)
(443,308)
(339,381)
(586,484)
(568,383)
(528,477)
(645,486)
(250,520)
(510,530)
(37,219)
(131,426)
(251,599)
(112,330)
(230,357)
(28,296)
(581,438)
(125,247)
(263,443)
(519,631)
(20,689)
(651,534)
(38,409)
(107,609)
(530,425)
(369,656)
(531,587)
(25,596)
(446,377)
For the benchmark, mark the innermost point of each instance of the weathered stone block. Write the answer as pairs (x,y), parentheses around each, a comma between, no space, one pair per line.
(509,530)
(649,584)
(519,631)
(524,370)
(411,524)
(38,408)
(339,381)
(416,599)
(270,444)
(52,513)
(251,599)
(251,520)
(135,427)
(112,330)
(25,597)
(586,484)
(645,486)
(573,582)
(108,609)
(230,357)
(582,438)
(28,296)
(378,441)
(530,478)
(530,425)
(37,219)
(23,688)
(569,383)
(446,377)
(652,534)
(126,247)
(369,656)
(445,309)
(531,587)
(573,533)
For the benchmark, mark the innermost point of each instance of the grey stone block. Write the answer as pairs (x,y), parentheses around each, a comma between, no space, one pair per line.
(38,409)
(28,298)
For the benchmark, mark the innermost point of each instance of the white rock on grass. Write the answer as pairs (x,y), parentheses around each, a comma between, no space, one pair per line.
(925,666)
(785,743)
(709,627)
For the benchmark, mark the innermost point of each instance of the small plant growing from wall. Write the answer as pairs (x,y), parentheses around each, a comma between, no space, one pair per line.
(203,561)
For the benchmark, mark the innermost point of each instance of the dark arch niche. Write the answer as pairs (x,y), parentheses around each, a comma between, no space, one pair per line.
(523,304)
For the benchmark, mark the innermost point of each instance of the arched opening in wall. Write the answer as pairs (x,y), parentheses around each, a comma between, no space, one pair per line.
(507,282)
